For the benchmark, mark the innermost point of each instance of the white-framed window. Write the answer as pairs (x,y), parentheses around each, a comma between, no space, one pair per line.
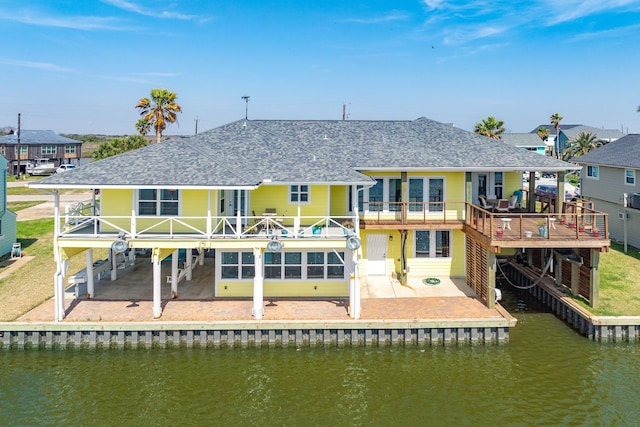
(237,265)
(630,176)
(299,193)
(425,193)
(498,184)
(70,149)
(156,202)
(350,199)
(48,150)
(24,151)
(307,265)
(593,172)
(432,244)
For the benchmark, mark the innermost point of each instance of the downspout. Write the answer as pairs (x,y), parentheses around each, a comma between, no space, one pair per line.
(403,233)
(58,285)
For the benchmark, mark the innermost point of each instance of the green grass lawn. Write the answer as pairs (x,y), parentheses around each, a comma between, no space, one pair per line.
(619,283)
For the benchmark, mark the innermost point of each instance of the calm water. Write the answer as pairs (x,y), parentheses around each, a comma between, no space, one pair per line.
(546,375)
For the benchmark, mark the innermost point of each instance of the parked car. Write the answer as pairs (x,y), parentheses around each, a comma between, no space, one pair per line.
(548,190)
(65,167)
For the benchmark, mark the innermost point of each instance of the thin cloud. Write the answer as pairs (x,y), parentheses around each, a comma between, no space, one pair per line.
(141,10)
(86,23)
(390,17)
(612,32)
(37,65)
(570,10)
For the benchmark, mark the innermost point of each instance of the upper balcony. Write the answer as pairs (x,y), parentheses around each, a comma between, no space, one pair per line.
(578,226)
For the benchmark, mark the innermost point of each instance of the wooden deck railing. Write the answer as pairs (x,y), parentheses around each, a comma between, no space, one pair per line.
(584,223)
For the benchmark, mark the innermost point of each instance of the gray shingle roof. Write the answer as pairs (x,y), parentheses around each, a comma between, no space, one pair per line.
(523,139)
(246,153)
(601,134)
(623,153)
(37,137)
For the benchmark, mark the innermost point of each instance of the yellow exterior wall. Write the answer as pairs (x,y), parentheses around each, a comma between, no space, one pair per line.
(236,288)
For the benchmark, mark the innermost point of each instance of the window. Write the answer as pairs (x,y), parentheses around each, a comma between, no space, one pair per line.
(299,193)
(70,149)
(395,194)
(498,185)
(416,195)
(284,265)
(3,150)
(48,150)
(433,244)
(24,151)
(234,263)
(158,202)
(436,194)
(376,196)
(593,172)
(360,198)
(630,177)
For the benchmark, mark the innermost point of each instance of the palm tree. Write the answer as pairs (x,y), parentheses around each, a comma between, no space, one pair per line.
(543,134)
(143,126)
(159,110)
(581,144)
(555,121)
(490,127)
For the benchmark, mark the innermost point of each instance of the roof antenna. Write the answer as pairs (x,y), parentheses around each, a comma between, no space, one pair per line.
(246,106)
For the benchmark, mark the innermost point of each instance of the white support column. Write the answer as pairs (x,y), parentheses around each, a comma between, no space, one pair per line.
(58,291)
(354,288)
(189,264)
(89,259)
(258,285)
(209,213)
(201,257)
(174,274)
(114,264)
(157,287)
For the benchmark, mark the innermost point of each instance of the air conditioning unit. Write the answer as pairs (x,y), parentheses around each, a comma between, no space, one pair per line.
(635,200)
(623,215)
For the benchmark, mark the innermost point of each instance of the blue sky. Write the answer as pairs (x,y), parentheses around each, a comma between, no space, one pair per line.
(81,66)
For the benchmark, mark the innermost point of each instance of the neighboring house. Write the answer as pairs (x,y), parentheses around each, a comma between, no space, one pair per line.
(39,145)
(309,208)
(7,218)
(609,177)
(569,132)
(527,141)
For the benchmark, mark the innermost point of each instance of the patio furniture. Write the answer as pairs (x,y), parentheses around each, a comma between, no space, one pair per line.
(502,206)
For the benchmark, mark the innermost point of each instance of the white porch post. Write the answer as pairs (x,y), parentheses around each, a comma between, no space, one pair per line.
(114,264)
(157,293)
(58,289)
(354,288)
(258,285)
(89,258)
(58,277)
(189,264)
(174,274)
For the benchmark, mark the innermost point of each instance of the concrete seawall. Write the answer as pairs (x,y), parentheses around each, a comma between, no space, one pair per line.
(598,328)
(252,334)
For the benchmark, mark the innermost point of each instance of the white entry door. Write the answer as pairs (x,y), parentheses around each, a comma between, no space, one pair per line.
(376,254)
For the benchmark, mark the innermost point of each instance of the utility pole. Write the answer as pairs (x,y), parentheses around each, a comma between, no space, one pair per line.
(344,111)
(196,125)
(246,106)
(18,149)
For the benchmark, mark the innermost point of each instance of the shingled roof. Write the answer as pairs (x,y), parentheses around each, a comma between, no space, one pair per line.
(30,137)
(622,153)
(248,153)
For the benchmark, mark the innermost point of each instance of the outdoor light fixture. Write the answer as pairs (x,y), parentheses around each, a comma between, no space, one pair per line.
(353,243)
(274,245)
(120,244)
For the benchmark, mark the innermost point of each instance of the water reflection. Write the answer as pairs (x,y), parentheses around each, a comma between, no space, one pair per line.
(546,375)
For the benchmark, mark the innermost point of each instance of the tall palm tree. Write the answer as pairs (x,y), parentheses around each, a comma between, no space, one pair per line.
(555,121)
(159,110)
(490,127)
(581,144)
